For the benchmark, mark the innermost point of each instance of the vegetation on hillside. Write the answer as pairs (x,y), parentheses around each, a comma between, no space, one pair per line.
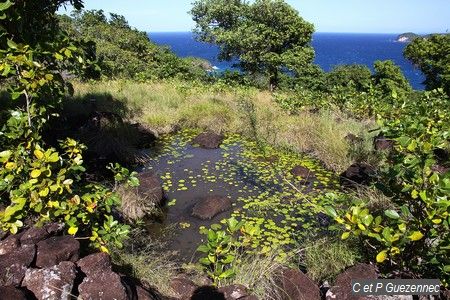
(124,52)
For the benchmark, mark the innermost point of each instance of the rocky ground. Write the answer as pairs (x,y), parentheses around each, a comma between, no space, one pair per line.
(41,263)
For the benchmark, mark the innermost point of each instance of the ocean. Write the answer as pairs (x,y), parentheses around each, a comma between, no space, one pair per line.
(331,49)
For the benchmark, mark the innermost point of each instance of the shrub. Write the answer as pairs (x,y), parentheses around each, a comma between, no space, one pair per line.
(414,235)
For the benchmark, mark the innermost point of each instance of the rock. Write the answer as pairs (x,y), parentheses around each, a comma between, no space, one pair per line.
(342,286)
(102,285)
(381,143)
(53,283)
(234,292)
(442,155)
(13,265)
(251,297)
(208,140)
(56,249)
(150,187)
(183,287)
(207,292)
(12,293)
(11,243)
(384,297)
(34,235)
(94,263)
(146,135)
(136,292)
(210,206)
(440,169)
(54,228)
(356,174)
(304,173)
(353,139)
(296,285)
(445,294)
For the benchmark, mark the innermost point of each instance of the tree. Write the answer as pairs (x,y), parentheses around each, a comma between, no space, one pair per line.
(358,76)
(432,55)
(389,79)
(267,36)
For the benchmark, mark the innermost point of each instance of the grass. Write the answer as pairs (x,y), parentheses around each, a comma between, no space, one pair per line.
(325,259)
(259,273)
(135,206)
(147,260)
(169,105)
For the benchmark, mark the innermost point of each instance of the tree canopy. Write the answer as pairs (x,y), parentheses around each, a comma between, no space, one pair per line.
(267,36)
(123,51)
(432,55)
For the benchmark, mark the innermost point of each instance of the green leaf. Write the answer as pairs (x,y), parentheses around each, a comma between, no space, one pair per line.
(203,248)
(390,213)
(416,235)
(330,211)
(5,5)
(381,257)
(11,44)
(368,220)
(227,274)
(345,235)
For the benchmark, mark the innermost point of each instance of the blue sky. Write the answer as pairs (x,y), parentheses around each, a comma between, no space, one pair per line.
(376,16)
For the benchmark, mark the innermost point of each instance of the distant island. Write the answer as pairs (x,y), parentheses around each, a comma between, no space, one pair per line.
(410,36)
(407,37)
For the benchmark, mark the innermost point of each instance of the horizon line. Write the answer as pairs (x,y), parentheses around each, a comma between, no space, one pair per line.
(341,32)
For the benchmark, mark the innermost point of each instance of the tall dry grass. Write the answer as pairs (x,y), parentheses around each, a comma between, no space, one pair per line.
(167,105)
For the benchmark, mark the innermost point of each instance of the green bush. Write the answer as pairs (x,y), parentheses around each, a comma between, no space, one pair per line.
(414,235)
(40,183)
(124,52)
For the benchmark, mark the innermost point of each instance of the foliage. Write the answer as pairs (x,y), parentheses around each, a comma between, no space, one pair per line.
(267,36)
(357,76)
(220,250)
(39,182)
(123,51)
(431,55)
(414,235)
(389,79)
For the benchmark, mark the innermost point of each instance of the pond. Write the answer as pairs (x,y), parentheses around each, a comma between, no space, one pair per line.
(277,190)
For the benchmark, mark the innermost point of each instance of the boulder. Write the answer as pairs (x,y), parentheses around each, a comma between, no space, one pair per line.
(342,288)
(13,265)
(251,297)
(210,206)
(207,292)
(234,292)
(183,287)
(34,235)
(94,263)
(136,292)
(208,140)
(445,294)
(56,249)
(356,174)
(381,143)
(11,243)
(53,283)
(150,187)
(296,285)
(54,228)
(304,173)
(102,285)
(10,292)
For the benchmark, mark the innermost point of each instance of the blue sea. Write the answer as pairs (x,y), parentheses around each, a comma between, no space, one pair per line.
(331,49)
